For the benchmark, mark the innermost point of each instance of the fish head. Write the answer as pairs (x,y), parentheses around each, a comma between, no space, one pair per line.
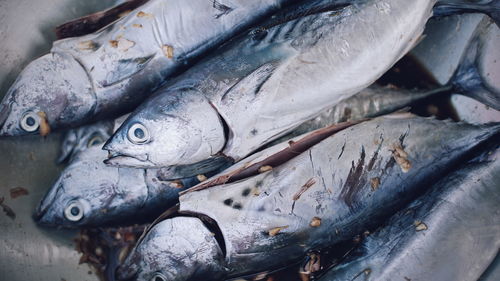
(53,91)
(179,248)
(81,138)
(173,128)
(89,193)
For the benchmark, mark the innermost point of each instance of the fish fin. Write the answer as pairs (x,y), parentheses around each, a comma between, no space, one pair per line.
(205,167)
(249,86)
(468,81)
(93,22)
(125,69)
(450,7)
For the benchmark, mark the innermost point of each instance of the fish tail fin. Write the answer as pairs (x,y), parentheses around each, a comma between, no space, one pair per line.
(450,7)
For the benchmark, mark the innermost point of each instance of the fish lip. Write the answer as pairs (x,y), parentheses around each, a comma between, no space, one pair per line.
(123,160)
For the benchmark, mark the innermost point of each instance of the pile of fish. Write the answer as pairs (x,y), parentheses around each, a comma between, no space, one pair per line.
(258,137)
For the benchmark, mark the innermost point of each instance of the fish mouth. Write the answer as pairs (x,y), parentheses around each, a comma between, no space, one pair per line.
(124,160)
(44,206)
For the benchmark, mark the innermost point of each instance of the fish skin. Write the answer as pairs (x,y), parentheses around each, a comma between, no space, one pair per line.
(105,74)
(110,195)
(461,238)
(341,167)
(269,82)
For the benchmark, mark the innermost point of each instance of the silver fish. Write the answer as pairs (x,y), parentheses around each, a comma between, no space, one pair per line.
(107,73)
(89,193)
(451,233)
(336,189)
(270,81)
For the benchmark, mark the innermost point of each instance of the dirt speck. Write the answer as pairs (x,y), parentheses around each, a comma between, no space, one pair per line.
(88,45)
(315,222)
(276,230)
(176,184)
(265,168)
(401,158)
(6,209)
(375,183)
(137,25)
(18,191)
(168,51)
(142,14)
(201,178)
(419,226)
(44,124)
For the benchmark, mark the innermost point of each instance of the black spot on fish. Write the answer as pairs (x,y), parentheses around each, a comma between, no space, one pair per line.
(228,202)
(223,9)
(258,184)
(246,192)
(342,151)
(254,132)
(355,180)
(237,206)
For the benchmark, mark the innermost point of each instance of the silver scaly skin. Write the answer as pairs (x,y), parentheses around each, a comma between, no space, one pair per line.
(267,83)
(107,73)
(89,193)
(451,233)
(349,182)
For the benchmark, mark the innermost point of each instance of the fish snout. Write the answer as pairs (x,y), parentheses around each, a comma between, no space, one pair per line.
(4,115)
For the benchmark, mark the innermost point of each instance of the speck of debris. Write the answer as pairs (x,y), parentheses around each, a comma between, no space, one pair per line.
(88,45)
(276,230)
(168,51)
(6,209)
(407,279)
(142,14)
(228,201)
(44,124)
(366,233)
(137,25)
(256,191)
(419,226)
(304,188)
(315,222)
(401,158)
(201,178)
(32,156)
(237,206)
(113,43)
(18,191)
(176,184)
(265,168)
(375,183)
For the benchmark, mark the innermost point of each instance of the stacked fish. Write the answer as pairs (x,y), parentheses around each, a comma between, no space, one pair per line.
(258,139)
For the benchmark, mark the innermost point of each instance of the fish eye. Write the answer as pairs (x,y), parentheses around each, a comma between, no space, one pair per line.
(95,140)
(74,211)
(138,133)
(30,121)
(158,277)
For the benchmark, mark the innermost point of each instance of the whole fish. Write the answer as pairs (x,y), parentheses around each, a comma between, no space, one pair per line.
(451,233)
(107,73)
(336,189)
(268,82)
(89,193)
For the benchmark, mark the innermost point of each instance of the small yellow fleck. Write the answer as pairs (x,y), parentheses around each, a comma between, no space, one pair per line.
(375,183)
(136,25)
(265,169)
(201,178)
(142,14)
(44,124)
(276,230)
(113,43)
(176,184)
(419,226)
(168,51)
(87,45)
(315,222)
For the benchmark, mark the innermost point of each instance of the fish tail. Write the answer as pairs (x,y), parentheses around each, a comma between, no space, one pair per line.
(450,7)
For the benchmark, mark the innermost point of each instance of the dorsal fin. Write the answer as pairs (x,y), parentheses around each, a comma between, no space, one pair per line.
(93,22)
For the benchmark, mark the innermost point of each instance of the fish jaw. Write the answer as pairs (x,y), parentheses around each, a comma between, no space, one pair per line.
(119,160)
(173,249)
(55,89)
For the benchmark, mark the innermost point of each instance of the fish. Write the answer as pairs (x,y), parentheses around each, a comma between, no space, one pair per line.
(269,81)
(451,233)
(105,74)
(76,140)
(90,194)
(322,196)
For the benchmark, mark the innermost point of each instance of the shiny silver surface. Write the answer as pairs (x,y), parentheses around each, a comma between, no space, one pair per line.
(28,252)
